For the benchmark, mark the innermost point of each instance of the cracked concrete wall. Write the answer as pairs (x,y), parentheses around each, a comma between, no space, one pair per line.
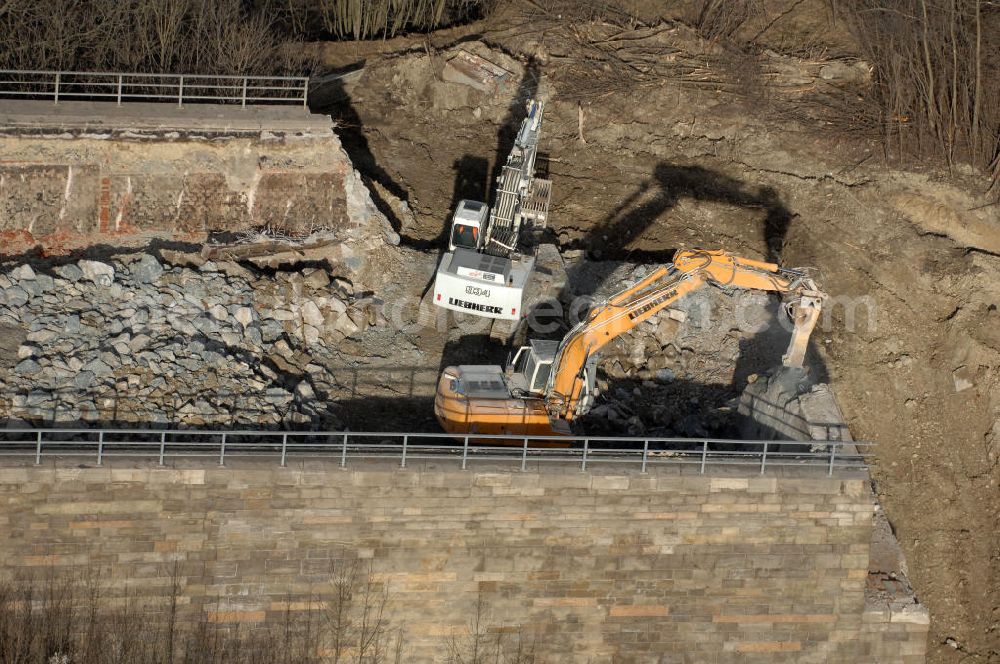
(600,567)
(79,191)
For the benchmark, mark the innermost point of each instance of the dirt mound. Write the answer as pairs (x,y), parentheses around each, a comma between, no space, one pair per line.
(967,228)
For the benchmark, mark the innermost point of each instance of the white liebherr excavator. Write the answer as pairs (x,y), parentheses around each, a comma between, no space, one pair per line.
(492,253)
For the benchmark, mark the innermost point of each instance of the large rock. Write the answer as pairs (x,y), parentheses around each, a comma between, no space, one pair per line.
(69,272)
(23,273)
(146,270)
(244,316)
(28,368)
(42,336)
(98,367)
(84,379)
(14,296)
(101,274)
(311,314)
(310,335)
(345,325)
(316,279)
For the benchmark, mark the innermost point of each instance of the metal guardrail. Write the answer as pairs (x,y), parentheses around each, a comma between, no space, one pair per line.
(345,446)
(179,88)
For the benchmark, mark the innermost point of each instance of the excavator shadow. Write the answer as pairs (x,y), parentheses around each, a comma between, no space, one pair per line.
(615,237)
(618,237)
(527,88)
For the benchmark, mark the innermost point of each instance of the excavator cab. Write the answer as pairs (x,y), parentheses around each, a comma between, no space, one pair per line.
(467,225)
(529,368)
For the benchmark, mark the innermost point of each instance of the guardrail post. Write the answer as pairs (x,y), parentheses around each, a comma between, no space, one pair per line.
(586,448)
(244,101)
(120,89)
(704,455)
(100,447)
(524,456)
(58,74)
(763,458)
(343,453)
(833,454)
(38,448)
(465,452)
(222,451)
(163,445)
(180,91)
(402,459)
(645,455)
(284,448)
(305,93)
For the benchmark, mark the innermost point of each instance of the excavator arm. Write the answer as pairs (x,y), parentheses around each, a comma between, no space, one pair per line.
(690,270)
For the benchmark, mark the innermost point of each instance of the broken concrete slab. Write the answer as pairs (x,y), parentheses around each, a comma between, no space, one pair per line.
(467,68)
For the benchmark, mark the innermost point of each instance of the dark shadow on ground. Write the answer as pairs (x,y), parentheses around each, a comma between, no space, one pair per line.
(335,101)
(668,184)
(471,174)
(42,261)
(763,349)
(473,349)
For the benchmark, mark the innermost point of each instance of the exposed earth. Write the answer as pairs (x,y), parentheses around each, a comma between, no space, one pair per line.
(658,140)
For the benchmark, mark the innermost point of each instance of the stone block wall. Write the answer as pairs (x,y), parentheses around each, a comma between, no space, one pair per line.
(597,567)
(895,634)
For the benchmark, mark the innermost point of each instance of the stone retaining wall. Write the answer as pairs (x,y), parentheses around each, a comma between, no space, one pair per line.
(96,181)
(598,567)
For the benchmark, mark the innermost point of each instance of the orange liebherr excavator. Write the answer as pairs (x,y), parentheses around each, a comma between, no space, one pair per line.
(548,384)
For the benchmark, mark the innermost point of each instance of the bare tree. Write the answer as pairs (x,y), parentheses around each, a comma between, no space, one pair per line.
(170,36)
(487,643)
(357,628)
(722,19)
(930,63)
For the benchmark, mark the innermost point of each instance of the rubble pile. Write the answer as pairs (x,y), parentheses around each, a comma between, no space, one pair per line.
(139,340)
(680,373)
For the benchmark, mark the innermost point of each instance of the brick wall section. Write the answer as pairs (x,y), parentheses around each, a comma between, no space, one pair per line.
(606,568)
